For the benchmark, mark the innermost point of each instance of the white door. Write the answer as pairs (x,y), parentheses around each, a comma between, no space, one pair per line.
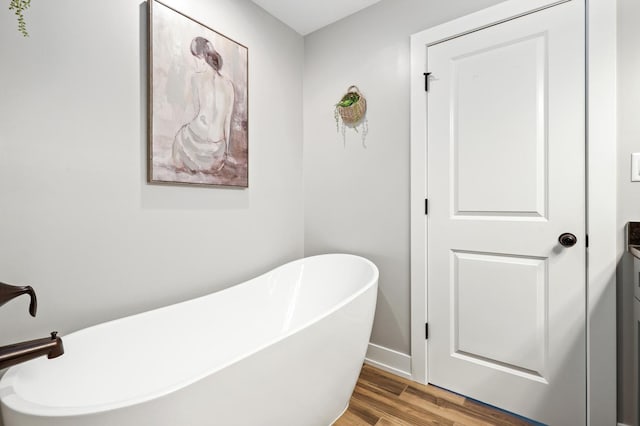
(505,178)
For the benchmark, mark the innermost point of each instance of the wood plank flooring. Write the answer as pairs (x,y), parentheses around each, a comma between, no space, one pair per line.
(382,399)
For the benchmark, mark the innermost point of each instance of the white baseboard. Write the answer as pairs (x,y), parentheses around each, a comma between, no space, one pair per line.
(389,360)
(622,424)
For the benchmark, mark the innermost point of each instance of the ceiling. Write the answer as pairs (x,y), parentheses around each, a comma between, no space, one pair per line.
(308,16)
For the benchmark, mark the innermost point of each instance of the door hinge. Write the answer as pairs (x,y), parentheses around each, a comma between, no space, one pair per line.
(426,81)
(426,206)
(426,330)
(586,240)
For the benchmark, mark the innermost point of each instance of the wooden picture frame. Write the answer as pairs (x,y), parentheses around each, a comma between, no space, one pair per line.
(198,103)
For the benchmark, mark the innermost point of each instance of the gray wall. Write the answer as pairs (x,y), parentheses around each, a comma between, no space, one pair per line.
(628,192)
(78,221)
(356,198)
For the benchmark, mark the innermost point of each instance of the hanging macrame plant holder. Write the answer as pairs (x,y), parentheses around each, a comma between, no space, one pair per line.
(351,111)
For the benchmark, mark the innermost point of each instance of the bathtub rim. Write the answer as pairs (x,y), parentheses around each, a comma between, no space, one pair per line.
(13,401)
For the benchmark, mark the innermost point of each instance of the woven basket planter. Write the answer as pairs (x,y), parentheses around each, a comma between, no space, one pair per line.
(354,113)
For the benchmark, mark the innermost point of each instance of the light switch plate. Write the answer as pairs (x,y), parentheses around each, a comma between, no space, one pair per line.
(635,167)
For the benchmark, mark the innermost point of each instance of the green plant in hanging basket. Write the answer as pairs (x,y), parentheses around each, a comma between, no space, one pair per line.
(350,112)
(349,99)
(18,7)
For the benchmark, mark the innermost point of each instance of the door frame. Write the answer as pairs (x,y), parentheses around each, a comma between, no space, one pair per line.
(601,188)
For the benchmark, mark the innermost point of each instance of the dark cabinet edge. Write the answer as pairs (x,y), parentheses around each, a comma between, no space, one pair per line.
(633,238)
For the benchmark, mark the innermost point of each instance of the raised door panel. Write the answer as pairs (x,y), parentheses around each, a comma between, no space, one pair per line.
(499,129)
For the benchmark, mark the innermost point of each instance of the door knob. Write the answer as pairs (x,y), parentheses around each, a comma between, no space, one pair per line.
(567,239)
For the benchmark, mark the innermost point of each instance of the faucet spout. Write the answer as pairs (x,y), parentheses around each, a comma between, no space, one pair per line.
(8,292)
(20,352)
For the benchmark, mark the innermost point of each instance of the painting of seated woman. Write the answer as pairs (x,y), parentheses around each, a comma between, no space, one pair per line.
(198,103)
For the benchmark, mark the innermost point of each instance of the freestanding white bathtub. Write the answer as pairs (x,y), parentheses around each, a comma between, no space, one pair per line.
(282,349)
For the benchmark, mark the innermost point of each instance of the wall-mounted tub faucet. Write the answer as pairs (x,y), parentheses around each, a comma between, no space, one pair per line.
(8,292)
(24,351)
(20,352)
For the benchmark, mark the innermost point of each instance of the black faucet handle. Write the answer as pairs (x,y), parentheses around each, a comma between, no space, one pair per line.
(8,292)
(33,303)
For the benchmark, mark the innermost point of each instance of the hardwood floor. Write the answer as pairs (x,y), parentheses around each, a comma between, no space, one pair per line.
(382,399)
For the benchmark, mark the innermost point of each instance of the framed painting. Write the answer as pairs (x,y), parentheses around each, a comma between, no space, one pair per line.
(198,103)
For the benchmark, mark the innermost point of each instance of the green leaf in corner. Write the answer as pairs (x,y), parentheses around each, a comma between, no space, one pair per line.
(18,7)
